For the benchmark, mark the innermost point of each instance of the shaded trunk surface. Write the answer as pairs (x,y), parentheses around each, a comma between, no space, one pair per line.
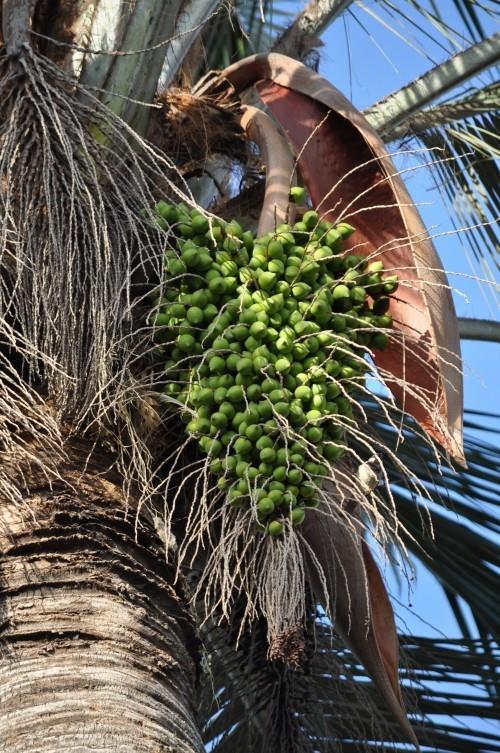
(96,649)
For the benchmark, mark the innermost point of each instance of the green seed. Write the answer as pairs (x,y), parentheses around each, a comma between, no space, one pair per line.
(267,280)
(265,506)
(243,446)
(297,194)
(267,455)
(274,528)
(186,343)
(297,516)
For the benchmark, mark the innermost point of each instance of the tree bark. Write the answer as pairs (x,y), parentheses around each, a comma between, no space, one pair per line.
(96,648)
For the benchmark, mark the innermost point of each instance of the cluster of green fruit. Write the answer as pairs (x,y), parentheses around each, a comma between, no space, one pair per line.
(265,341)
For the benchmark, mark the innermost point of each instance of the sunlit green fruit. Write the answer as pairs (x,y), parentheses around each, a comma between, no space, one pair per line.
(199,298)
(333,239)
(263,443)
(275,250)
(216,466)
(314,434)
(282,365)
(279,473)
(375,267)
(301,290)
(247,238)
(219,420)
(245,366)
(227,437)
(276,395)
(348,372)
(297,194)
(227,408)
(216,364)
(283,345)
(194,315)
(265,506)
(253,432)
(259,363)
(267,455)
(390,284)
(235,394)
(241,468)
(358,295)
(384,321)
(303,392)
(344,229)
(239,332)
(292,273)
(297,516)
(243,446)
(276,266)
(318,402)
(234,228)
(267,280)
(310,219)
(340,291)
(295,476)
(274,528)
(186,343)
(257,329)
(266,468)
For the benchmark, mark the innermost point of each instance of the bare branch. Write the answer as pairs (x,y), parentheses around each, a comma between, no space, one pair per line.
(397,107)
(303,34)
(479,329)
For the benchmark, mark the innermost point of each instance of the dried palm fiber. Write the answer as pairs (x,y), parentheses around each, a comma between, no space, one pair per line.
(74,184)
(192,128)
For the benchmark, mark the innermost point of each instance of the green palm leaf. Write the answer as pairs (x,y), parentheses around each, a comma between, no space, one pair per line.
(329,705)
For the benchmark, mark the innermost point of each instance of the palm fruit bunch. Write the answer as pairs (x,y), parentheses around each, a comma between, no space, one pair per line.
(265,341)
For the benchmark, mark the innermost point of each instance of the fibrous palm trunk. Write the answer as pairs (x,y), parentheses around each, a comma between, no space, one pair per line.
(96,648)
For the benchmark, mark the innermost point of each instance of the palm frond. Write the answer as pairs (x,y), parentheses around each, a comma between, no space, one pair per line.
(473,102)
(463,516)
(328,704)
(468,178)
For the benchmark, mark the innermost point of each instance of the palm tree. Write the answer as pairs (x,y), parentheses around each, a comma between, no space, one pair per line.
(102,647)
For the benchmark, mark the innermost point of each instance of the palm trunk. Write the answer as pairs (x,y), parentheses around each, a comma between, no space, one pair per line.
(96,646)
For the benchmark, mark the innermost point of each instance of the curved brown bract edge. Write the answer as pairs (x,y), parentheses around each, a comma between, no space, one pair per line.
(358,604)
(278,159)
(349,176)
